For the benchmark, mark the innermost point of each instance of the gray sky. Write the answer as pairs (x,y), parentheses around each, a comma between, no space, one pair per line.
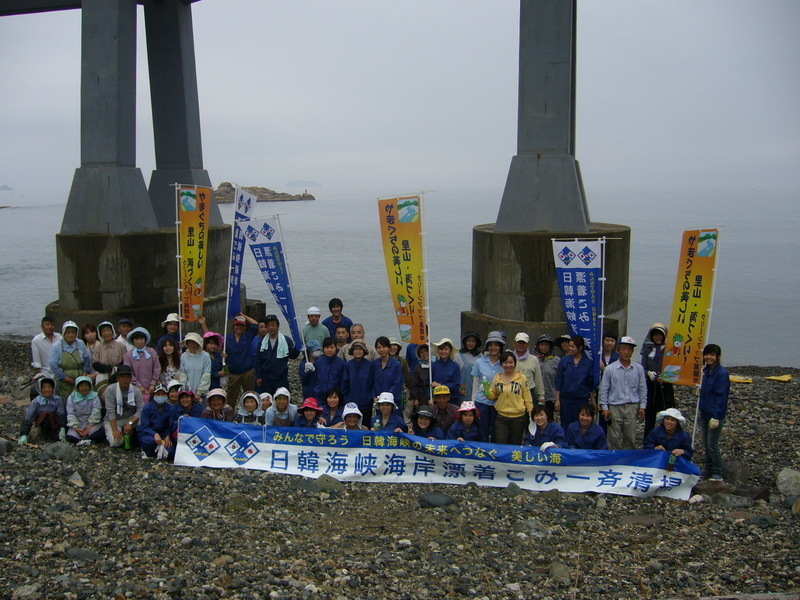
(422,95)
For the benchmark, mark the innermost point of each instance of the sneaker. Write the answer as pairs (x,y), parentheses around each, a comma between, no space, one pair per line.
(715,478)
(145,457)
(86,442)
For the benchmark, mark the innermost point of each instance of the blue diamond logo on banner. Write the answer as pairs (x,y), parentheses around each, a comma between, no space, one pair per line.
(251,232)
(267,231)
(242,448)
(566,255)
(203,443)
(587,255)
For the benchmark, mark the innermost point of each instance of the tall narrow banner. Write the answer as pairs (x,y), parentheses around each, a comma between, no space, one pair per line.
(579,269)
(194,204)
(245,202)
(691,307)
(401,232)
(264,238)
(384,457)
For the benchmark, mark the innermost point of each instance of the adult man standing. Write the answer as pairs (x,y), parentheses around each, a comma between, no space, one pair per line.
(272,360)
(124,406)
(239,356)
(357,332)
(125,326)
(337,318)
(528,365)
(313,330)
(41,346)
(623,397)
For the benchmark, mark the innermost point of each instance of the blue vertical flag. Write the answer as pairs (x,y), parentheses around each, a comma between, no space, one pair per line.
(264,238)
(244,208)
(579,270)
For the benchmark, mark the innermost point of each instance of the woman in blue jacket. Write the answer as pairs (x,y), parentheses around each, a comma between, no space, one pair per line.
(669,435)
(585,434)
(714,392)
(574,382)
(542,433)
(358,381)
(387,371)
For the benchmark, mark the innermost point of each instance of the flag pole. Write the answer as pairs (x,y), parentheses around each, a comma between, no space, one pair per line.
(421,196)
(178,257)
(230,274)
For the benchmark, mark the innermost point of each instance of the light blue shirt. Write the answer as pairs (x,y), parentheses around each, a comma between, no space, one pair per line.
(623,385)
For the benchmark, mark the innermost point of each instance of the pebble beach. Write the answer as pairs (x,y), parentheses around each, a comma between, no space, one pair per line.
(81,523)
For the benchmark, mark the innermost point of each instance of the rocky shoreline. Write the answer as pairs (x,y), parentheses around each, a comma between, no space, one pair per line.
(101,523)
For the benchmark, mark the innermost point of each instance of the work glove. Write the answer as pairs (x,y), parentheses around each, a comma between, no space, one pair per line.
(652,375)
(62,434)
(713,423)
(546,445)
(310,368)
(23,439)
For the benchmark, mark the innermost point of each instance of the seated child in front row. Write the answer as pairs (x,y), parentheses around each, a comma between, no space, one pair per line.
(84,414)
(47,413)
(309,414)
(466,428)
(249,410)
(388,419)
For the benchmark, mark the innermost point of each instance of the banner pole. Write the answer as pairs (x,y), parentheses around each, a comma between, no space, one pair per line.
(178,257)
(291,288)
(708,329)
(230,274)
(423,235)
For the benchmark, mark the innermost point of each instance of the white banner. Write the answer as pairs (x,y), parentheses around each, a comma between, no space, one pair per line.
(403,458)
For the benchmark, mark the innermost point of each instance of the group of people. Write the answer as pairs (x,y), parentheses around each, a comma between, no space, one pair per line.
(115,386)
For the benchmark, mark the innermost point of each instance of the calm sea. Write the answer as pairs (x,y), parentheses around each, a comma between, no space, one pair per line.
(333,248)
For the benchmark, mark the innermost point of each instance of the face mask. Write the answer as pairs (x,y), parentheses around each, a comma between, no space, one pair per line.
(160,399)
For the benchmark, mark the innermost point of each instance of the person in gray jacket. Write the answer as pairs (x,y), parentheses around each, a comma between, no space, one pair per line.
(124,405)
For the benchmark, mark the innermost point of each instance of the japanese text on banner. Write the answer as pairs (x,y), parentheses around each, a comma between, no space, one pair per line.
(264,239)
(579,272)
(402,458)
(194,204)
(244,208)
(401,233)
(691,306)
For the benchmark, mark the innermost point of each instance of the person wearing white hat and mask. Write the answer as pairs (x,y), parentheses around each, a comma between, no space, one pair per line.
(69,359)
(195,365)
(623,397)
(171,325)
(314,330)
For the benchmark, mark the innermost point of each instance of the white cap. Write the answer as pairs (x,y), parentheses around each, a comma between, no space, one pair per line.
(522,337)
(626,339)
(314,310)
(282,391)
(386,398)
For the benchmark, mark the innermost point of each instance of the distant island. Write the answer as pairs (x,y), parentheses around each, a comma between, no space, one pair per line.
(226,192)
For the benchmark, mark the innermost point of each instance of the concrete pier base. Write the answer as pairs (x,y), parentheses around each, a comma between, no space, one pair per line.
(514,286)
(105,277)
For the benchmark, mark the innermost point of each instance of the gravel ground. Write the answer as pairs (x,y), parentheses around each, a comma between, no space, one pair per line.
(147,529)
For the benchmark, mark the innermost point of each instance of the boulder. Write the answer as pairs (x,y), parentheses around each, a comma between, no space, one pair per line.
(789,482)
